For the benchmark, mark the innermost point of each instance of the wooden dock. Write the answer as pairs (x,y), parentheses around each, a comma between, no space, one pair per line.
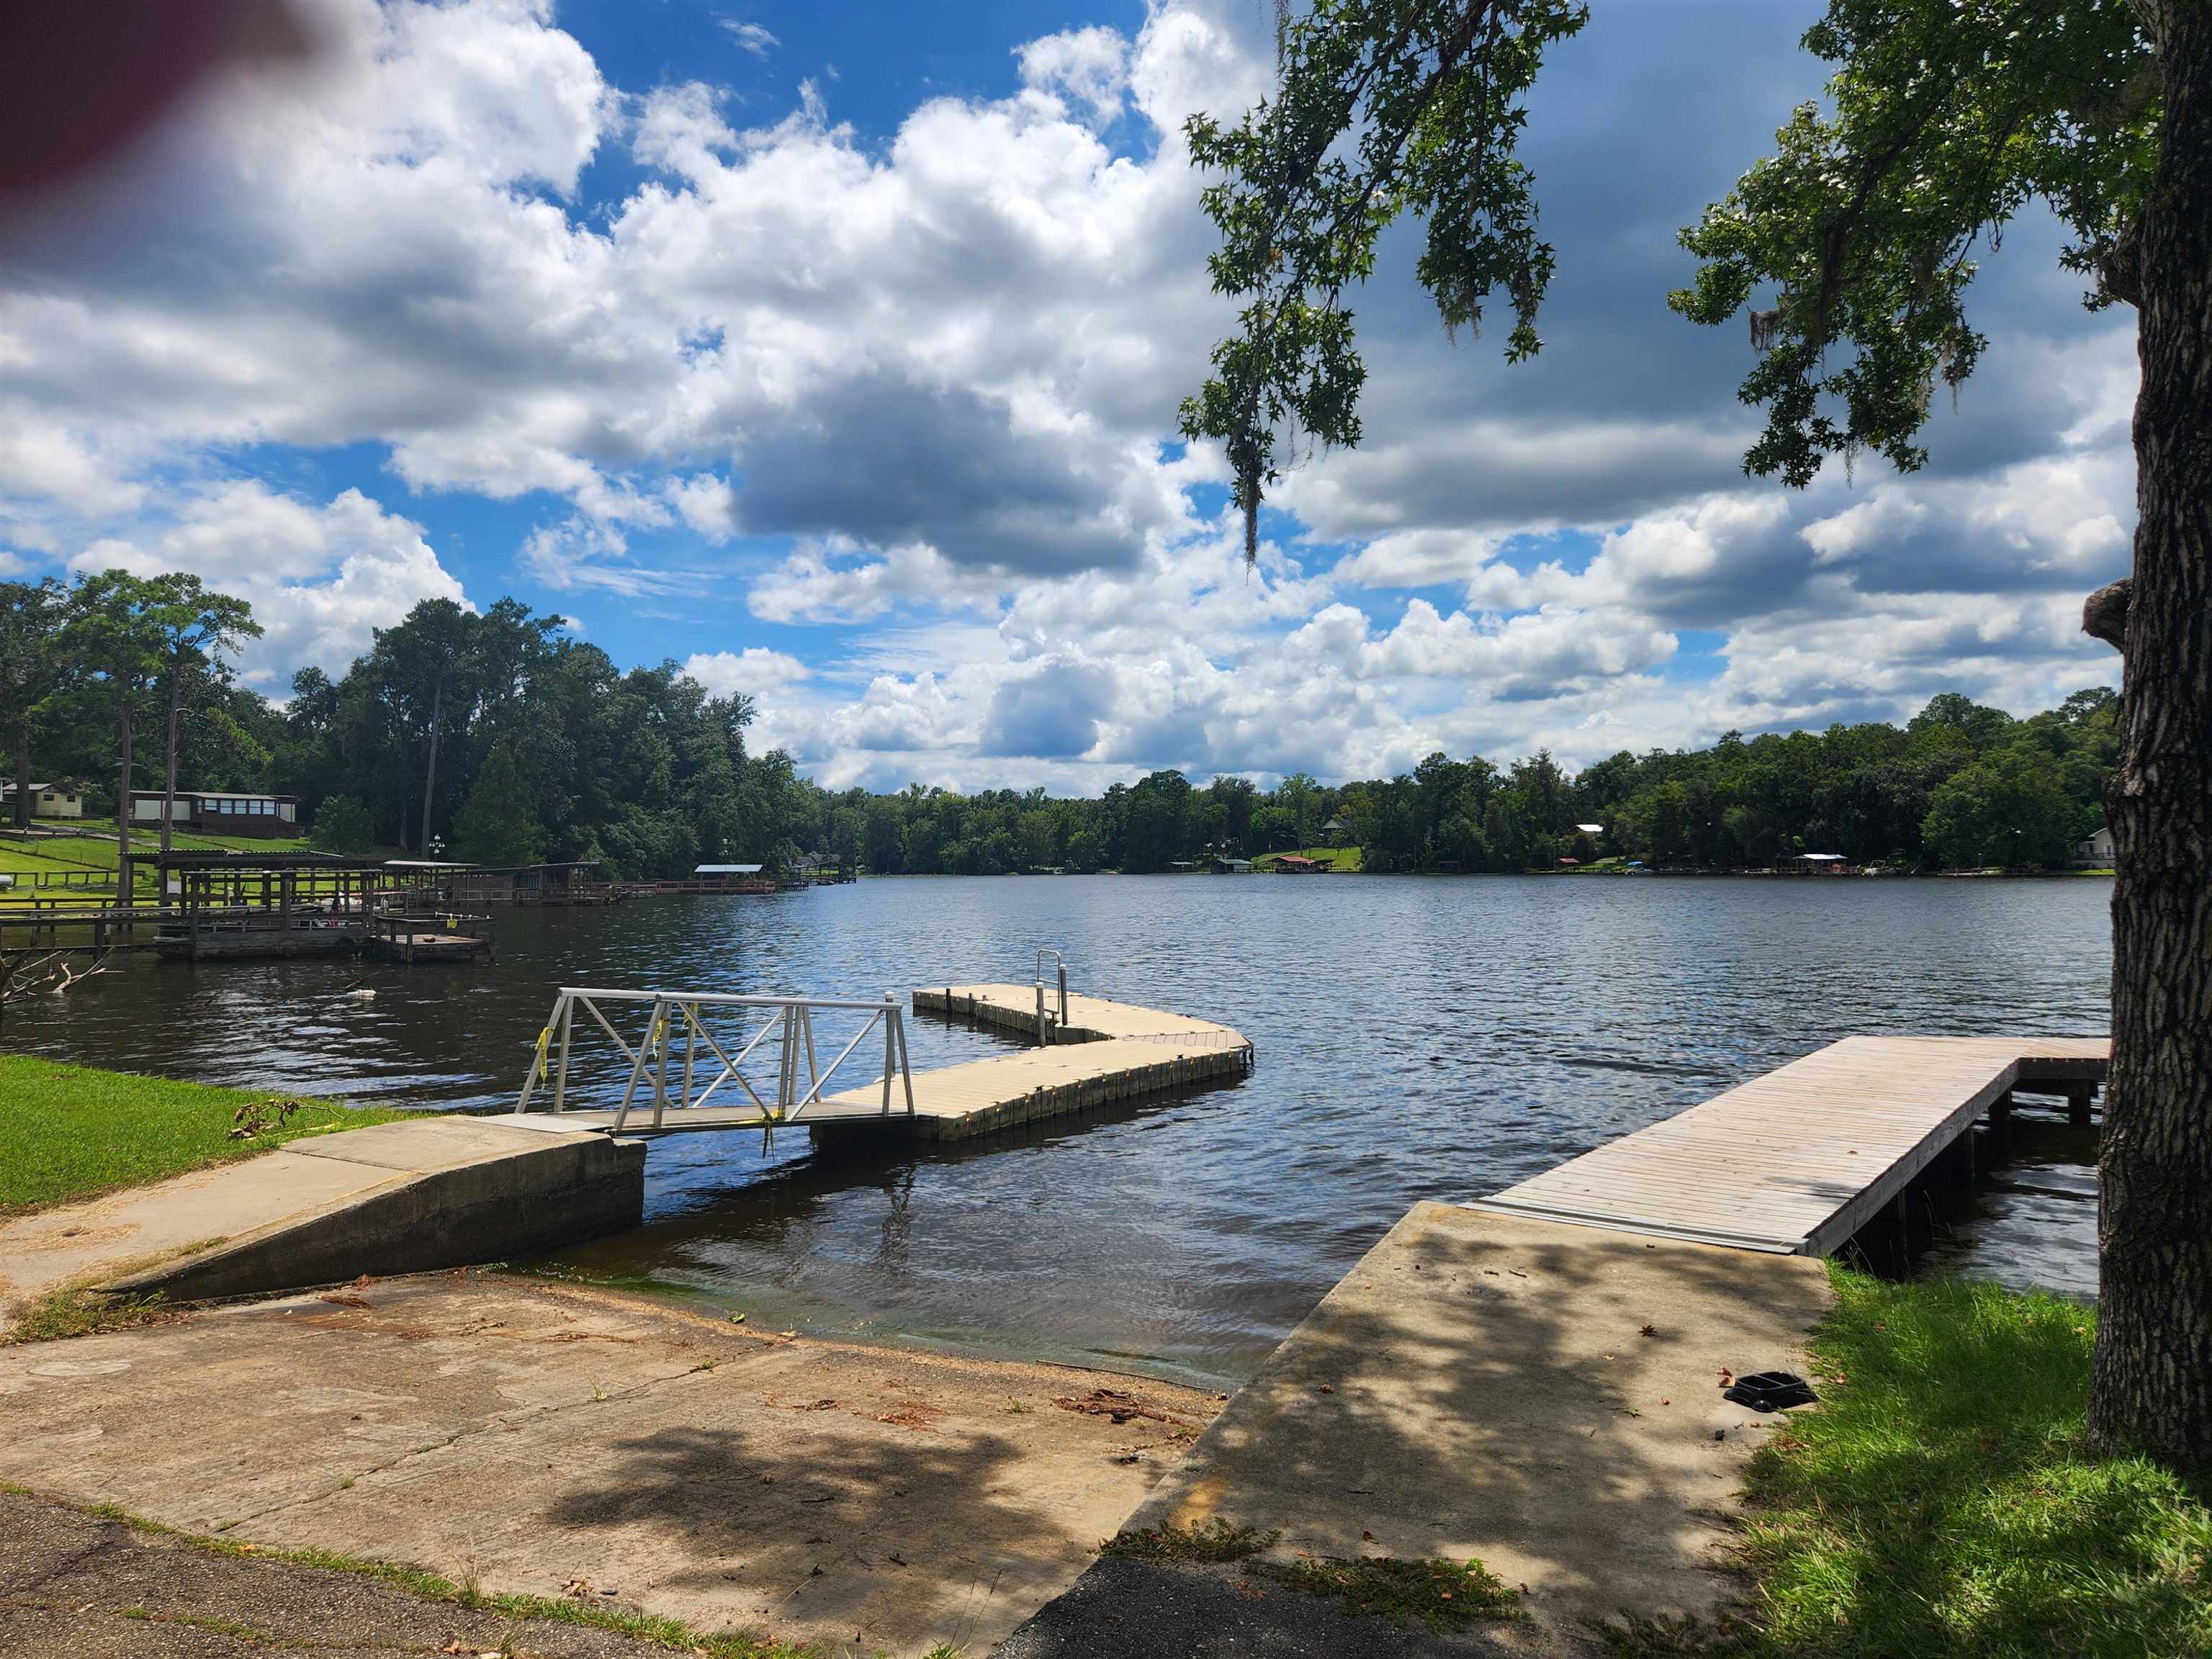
(1107,1052)
(409,938)
(1797,1160)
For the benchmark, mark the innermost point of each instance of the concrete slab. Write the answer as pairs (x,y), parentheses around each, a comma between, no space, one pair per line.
(392,1198)
(145,1225)
(528,1433)
(422,1145)
(1544,1397)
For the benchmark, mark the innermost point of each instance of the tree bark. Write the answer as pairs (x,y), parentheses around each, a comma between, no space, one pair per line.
(2152,1391)
(169,753)
(23,771)
(430,773)
(124,894)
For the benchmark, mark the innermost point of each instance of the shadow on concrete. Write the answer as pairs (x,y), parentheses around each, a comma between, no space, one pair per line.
(1544,1397)
(929,1537)
(1137,1610)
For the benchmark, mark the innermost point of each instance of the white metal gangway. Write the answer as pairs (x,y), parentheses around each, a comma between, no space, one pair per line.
(666,1059)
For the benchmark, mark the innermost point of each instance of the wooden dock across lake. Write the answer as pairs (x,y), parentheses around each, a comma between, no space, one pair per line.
(1797,1160)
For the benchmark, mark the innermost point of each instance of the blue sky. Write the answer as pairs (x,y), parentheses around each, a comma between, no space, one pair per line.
(834,352)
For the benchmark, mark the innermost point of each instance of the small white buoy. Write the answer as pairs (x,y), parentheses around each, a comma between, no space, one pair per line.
(363,995)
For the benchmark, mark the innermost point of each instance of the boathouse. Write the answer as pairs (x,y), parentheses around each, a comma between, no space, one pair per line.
(581,881)
(729,878)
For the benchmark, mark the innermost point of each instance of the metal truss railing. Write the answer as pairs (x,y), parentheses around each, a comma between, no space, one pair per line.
(667,1059)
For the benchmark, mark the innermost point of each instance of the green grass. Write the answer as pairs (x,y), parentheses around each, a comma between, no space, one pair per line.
(72,1132)
(97,849)
(1944,1500)
(97,855)
(62,1314)
(71,857)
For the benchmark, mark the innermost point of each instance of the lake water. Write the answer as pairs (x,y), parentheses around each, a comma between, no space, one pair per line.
(1416,1038)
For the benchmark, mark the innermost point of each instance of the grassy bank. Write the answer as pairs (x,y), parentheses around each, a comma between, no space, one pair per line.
(73,1132)
(88,860)
(1943,1500)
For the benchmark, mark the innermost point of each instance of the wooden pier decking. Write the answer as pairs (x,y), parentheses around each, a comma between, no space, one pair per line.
(1107,1052)
(1798,1160)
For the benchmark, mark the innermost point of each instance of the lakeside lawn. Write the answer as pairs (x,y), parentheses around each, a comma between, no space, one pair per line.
(1943,1499)
(99,850)
(90,856)
(73,1132)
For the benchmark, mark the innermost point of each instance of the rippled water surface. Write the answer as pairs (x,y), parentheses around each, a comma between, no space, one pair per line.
(1416,1038)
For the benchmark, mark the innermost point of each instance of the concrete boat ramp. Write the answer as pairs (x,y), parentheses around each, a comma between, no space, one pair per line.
(1536,1380)
(449,1191)
(1532,1380)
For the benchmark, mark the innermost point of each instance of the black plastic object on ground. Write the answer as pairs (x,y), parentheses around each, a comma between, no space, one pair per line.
(1770,1391)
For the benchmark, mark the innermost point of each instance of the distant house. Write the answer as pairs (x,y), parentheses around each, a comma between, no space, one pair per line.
(48,800)
(223,811)
(1223,867)
(2096,852)
(1589,828)
(1338,829)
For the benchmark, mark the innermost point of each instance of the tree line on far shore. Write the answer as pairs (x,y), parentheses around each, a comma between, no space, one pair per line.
(1961,785)
(501,738)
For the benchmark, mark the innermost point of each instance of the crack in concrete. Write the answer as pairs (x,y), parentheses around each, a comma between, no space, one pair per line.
(501,1422)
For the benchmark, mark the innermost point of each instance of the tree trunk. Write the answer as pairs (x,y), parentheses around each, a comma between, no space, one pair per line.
(169,755)
(2153,1387)
(430,773)
(23,771)
(123,893)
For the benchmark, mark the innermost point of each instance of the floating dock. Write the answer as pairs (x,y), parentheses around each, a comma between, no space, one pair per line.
(1797,1160)
(413,939)
(1103,1052)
